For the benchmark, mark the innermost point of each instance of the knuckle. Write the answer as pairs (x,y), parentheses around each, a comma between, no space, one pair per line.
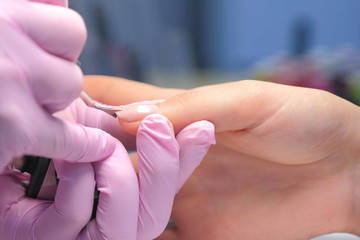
(186,99)
(178,103)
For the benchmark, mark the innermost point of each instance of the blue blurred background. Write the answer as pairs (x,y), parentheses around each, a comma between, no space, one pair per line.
(187,43)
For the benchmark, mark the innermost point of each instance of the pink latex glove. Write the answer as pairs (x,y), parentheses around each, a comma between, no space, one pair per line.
(39,45)
(130,206)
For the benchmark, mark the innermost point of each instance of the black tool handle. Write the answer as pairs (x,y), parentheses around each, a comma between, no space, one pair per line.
(37,167)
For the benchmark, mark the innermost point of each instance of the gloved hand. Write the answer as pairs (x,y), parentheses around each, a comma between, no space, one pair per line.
(39,46)
(130,206)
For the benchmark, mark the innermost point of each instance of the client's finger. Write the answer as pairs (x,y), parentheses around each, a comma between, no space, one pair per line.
(119,91)
(73,203)
(230,106)
(117,212)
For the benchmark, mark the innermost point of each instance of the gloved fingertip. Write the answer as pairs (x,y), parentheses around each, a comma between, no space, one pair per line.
(195,141)
(157,123)
(200,133)
(106,146)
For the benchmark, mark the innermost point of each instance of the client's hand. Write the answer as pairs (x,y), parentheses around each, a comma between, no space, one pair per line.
(39,45)
(130,206)
(285,165)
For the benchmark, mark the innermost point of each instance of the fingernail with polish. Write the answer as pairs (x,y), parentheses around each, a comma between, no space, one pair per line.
(134,113)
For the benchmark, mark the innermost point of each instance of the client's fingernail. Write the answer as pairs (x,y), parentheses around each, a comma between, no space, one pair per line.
(136,112)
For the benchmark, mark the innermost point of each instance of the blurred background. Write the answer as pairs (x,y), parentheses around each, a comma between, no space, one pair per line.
(188,43)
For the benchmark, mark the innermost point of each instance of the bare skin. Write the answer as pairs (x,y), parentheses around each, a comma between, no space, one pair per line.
(285,166)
